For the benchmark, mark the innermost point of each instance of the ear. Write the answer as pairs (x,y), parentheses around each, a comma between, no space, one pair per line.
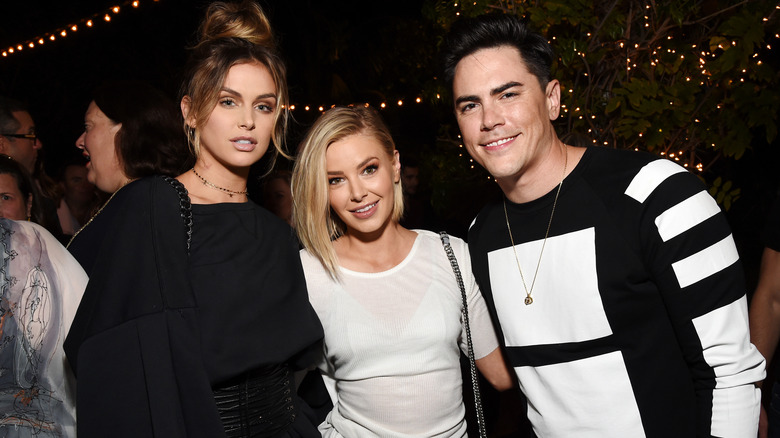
(396,166)
(553,94)
(185,106)
(3,145)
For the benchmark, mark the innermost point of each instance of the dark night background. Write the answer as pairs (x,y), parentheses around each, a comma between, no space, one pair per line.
(337,52)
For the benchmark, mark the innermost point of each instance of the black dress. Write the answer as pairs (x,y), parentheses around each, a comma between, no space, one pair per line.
(165,343)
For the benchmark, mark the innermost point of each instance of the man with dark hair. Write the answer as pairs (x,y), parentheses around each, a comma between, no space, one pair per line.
(17,133)
(19,141)
(612,275)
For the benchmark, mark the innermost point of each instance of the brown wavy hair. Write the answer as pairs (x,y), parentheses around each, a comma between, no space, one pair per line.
(230,34)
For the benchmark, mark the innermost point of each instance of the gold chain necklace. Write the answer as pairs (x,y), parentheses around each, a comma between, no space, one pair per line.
(528,299)
(228,191)
(98,212)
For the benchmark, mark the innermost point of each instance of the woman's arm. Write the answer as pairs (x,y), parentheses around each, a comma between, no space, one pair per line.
(494,368)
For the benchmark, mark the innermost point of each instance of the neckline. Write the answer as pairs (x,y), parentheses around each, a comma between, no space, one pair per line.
(224,206)
(547,199)
(390,271)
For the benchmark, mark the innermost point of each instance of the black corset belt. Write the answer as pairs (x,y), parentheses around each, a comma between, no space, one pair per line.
(258,403)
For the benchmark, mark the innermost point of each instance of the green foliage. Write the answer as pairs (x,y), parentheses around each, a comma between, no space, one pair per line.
(724,192)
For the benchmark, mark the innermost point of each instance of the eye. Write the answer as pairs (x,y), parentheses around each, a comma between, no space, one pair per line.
(5,197)
(227,101)
(371,169)
(335,180)
(508,94)
(264,107)
(467,107)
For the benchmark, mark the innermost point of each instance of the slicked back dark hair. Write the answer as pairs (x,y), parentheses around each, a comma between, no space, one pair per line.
(469,35)
(150,141)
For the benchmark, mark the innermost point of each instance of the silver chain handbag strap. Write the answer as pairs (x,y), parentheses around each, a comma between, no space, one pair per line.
(445,241)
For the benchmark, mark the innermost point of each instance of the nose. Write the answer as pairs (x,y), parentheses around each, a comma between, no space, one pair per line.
(491,117)
(247,119)
(37,144)
(80,140)
(357,191)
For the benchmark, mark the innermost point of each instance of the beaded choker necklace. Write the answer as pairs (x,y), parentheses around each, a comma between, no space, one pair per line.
(213,186)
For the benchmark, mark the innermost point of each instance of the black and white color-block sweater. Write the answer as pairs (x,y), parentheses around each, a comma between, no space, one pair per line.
(639,324)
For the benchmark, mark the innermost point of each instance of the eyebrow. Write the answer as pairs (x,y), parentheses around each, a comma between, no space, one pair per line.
(261,96)
(493,92)
(363,163)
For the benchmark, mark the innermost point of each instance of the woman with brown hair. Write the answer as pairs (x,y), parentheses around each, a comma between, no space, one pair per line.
(196,313)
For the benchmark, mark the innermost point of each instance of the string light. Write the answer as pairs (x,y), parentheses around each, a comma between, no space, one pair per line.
(63,31)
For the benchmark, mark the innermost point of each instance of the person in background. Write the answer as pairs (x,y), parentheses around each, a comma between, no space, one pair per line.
(196,312)
(18,196)
(131,130)
(40,287)
(765,317)
(80,198)
(612,275)
(418,211)
(18,139)
(277,196)
(387,296)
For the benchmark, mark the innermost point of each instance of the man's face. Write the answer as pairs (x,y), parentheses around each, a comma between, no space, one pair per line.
(23,150)
(77,187)
(503,113)
(410,179)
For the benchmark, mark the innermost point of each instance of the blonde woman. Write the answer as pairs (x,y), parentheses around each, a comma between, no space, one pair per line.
(387,296)
(196,313)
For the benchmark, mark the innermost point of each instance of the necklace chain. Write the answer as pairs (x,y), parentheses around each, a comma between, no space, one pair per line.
(528,298)
(97,212)
(214,186)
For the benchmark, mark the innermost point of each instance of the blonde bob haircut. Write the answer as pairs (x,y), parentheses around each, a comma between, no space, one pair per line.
(231,34)
(316,223)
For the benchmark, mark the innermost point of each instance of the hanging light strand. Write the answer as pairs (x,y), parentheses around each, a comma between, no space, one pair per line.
(65,31)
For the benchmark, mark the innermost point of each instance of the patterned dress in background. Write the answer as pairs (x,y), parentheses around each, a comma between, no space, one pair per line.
(40,285)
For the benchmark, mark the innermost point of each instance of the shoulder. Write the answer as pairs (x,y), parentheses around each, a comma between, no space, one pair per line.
(312,266)
(456,243)
(274,227)
(142,192)
(635,175)
(486,221)
(32,242)
(319,283)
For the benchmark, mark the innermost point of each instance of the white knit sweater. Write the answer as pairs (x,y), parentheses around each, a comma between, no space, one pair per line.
(392,341)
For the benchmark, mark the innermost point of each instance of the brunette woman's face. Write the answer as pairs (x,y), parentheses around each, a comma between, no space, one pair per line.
(238,130)
(97,142)
(13,204)
(361,180)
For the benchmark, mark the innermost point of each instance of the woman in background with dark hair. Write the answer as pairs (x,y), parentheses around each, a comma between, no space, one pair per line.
(40,287)
(132,130)
(18,196)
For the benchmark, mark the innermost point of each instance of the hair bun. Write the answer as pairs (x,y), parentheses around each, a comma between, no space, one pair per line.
(245,20)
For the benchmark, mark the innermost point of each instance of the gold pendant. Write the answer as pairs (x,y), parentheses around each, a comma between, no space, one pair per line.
(528,300)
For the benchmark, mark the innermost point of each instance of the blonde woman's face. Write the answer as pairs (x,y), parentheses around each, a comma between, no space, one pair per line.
(361,180)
